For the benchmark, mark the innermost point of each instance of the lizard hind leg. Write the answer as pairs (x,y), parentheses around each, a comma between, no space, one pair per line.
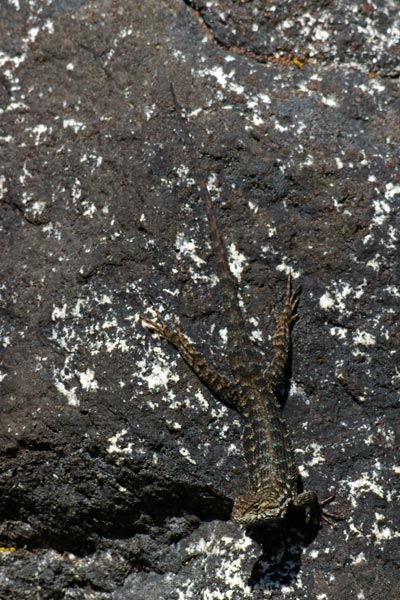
(219,385)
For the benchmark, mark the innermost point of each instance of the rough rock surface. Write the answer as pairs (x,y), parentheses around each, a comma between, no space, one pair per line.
(118,469)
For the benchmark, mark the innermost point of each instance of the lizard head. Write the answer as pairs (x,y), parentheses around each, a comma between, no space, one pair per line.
(261,507)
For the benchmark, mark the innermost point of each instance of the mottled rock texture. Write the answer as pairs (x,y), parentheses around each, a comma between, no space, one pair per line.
(118,469)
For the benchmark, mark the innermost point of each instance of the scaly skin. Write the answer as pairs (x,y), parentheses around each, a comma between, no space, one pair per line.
(272,471)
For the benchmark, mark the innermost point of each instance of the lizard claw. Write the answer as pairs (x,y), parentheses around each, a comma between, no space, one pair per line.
(275,314)
(327,516)
(158,325)
(163,329)
(152,325)
(292,296)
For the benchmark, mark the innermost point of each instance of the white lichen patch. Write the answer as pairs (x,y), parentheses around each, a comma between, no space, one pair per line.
(200,400)
(186,455)
(228,81)
(212,185)
(187,247)
(39,132)
(149,111)
(375,262)
(218,73)
(227,571)
(381,531)
(256,335)
(95,161)
(116,446)
(382,211)
(363,338)
(315,452)
(338,332)
(156,371)
(97,335)
(68,393)
(105,299)
(26,174)
(284,267)
(59,312)
(76,190)
(88,381)
(74,327)
(218,411)
(234,450)
(173,425)
(183,172)
(237,261)
(392,191)
(337,294)
(73,124)
(3,186)
(363,485)
(223,334)
(38,207)
(89,208)
(358,559)
(385,207)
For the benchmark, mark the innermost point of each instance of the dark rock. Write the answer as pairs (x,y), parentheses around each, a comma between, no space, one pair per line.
(118,468)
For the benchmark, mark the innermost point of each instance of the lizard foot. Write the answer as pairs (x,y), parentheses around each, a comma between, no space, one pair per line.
(289,313)
(328,516)
(171,333)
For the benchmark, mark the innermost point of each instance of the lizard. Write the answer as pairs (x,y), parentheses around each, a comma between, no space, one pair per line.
(273,475)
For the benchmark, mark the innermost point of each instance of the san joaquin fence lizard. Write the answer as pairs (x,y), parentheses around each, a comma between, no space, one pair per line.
(273,474)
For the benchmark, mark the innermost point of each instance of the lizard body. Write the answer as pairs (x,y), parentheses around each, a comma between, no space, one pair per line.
(273,475)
